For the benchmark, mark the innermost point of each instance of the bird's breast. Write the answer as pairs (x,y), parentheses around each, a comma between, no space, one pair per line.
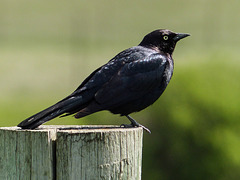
(169,70)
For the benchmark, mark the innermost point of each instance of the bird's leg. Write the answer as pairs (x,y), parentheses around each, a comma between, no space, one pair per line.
(134,123)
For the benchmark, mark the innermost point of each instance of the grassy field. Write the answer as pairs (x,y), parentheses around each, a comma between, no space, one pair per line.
(47,48)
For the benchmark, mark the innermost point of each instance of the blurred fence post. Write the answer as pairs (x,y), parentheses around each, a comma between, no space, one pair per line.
(71,152)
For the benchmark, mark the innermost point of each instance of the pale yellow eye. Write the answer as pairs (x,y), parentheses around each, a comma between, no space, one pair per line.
(165,38)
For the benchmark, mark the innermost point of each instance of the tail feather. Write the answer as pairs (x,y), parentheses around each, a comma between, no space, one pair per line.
(89,109)
(67,105)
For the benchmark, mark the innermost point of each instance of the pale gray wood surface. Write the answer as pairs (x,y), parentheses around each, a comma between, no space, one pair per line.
(99,154)
(25,154)
(71,153)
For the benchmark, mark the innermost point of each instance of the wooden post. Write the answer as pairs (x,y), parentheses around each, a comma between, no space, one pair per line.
(71,152)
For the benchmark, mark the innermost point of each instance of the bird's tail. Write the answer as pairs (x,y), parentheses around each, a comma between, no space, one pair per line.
(68,105)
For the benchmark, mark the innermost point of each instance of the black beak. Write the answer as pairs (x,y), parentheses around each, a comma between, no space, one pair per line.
(180,36)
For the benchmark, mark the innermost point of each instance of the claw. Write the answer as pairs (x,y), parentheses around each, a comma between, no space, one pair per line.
(146,129)
(134,124)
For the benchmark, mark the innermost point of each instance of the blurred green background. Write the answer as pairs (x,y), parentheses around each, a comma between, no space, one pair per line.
(47,48)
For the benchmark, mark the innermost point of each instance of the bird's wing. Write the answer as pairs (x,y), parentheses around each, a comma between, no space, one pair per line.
(132,81)
(105,73)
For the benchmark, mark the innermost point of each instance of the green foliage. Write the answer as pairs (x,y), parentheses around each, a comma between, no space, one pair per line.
(196,124)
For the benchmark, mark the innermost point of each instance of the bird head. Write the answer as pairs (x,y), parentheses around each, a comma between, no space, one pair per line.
(162,40)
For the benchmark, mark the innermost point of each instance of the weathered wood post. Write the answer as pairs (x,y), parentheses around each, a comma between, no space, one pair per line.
(71,153)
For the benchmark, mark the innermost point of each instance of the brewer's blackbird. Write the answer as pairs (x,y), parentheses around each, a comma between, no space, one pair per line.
(131,81)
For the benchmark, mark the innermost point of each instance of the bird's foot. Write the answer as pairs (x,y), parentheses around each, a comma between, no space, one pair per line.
(134,124)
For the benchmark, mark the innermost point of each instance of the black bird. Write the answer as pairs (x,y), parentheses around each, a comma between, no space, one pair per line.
(131,81)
